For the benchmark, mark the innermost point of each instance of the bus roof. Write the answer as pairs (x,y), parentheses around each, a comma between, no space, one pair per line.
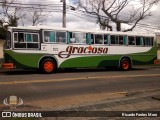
(82,30)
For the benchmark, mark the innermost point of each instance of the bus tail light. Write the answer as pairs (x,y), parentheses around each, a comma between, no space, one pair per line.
(156,61)
(8,65)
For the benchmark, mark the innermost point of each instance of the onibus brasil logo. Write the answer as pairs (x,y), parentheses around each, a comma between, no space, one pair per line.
(13,101)
(82,50)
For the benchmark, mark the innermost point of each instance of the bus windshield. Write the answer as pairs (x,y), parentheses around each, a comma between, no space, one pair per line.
(7,44)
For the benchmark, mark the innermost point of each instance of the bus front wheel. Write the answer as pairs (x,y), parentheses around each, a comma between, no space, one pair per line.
(125,64)
(48,66)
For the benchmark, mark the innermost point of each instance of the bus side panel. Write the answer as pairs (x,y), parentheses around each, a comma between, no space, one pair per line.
(143,58)
(91,61)
(22,60)
(146,57)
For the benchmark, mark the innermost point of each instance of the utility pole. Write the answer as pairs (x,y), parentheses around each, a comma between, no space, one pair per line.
(64,13)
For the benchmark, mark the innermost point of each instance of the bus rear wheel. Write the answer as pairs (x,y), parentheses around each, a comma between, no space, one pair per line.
(125,64)
(48,66)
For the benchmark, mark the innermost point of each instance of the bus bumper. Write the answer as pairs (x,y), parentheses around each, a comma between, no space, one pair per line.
(7,65)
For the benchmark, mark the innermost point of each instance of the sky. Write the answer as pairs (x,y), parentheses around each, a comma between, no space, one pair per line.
(81,20)
(74,19)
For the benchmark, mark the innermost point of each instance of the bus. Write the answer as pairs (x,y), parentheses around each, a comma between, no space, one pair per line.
(48,49)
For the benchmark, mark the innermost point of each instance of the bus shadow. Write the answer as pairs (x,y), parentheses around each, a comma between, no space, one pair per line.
(67,70)
(108,69)
(18,72)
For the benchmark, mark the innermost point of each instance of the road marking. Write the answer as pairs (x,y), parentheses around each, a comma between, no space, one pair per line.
(80,78)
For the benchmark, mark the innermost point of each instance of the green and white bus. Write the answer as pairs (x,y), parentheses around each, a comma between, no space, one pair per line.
(48,49)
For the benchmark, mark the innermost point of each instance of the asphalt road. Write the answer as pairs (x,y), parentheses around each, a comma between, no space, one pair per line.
(61,88)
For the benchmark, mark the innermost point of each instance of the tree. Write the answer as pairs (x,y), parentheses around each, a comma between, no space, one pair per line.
(118,12)
(36,15)
(9,15)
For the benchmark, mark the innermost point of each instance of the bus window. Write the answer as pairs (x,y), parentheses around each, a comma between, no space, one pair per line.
(114,39)
(20,37)
(49,36)
(98,39)
(131,40)
(78,37)
(61,37)
(15,37)
(19,41)
(152,39)
(26,40)
(138,40)
(32,40)
(91,39)
(28,37)
(35,37)
(148,41)
(125,40)
(121,40)
(106,40)
(87,38)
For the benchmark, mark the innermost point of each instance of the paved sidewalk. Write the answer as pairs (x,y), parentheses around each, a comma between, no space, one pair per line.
(134,101)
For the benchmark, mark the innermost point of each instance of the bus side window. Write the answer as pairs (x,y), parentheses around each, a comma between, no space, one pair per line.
(21,37)
(114,39)
(28,38)
(125,40)
(152,40)
(131,40)
(148,41)
(121,40)
(72,38)
(16,37)
(21,41)
(78,37)
(99,39)
(91,39)
(52,36)
(35,37)
(49,36)
(87,38)
(138,40)
(106,39)
(68,35)
(61,37)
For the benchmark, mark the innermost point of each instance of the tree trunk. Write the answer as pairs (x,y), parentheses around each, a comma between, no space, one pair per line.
(118,26)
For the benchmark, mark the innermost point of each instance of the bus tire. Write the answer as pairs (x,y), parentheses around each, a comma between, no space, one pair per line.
(125,64)
(48,66)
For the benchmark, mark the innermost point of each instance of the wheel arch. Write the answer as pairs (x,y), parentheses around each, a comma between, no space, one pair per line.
(45,57)
(123,57)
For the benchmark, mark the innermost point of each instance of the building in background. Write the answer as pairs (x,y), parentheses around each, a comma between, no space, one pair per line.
(1,48)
